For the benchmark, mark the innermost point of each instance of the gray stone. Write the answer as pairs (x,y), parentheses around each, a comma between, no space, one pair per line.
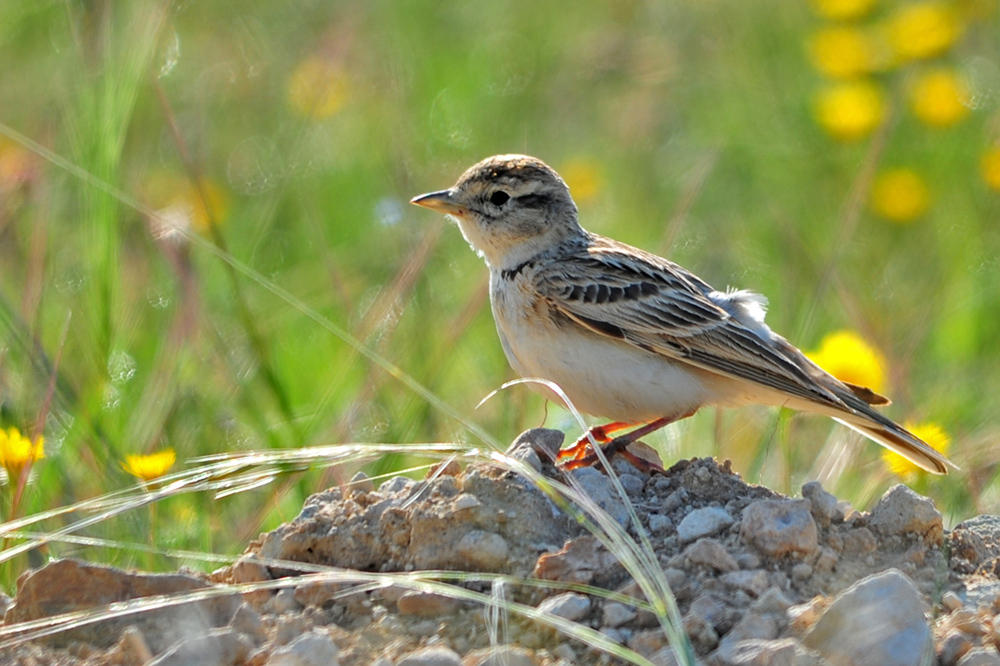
(544,442)
(599,488)
(757,652)
(702,523)
(878,621)
(426,604)
(247,621)
(752,626)
(569,605)
(709,553)
(780,527)
(773,601)
(285,602)
(361,483)
(902,511)
(974,542)
(221,647)
(432,656)
(954,646)
(822,504)
(615,614)
(659,523)
(664,657)
(311,649)
(482,550)
(980,657)
(632,484)
(753,582)
(504,655)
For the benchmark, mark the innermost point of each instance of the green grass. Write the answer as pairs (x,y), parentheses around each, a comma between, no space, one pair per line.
(697,115)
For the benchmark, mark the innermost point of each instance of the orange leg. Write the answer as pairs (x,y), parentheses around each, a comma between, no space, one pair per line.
(601,435)
(580,455)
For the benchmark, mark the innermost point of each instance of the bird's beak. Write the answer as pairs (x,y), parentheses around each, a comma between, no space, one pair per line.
(443,201)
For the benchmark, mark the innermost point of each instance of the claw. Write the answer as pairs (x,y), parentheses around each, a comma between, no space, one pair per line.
(581,454)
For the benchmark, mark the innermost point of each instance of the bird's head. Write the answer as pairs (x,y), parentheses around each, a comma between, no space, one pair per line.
(509,208)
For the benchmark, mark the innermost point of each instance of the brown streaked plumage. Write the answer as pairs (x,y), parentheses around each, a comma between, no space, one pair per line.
(629,335)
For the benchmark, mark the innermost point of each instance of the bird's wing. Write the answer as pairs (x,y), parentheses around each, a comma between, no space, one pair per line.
(658,306)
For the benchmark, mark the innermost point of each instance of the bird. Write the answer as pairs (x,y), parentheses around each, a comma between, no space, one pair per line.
(628,335)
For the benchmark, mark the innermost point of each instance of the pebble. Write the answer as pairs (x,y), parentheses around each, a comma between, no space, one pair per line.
(710,553)
(599,488)
(632,484)
(754,582)
(504,655)
(615,614)
(757,652)
(223,646)
(902,511)
(702,523)
(780,527)
(248,621)
(980,657)
(878,621)
(544,442)
(951,601)
(311,649)
(465,501)
(664,657)
(658,523)
(432,656)
(822,504)
(426,604)
(361,483)
(953,647)
(569,605)
(772,601)
(482,551)
(801,571)
(751,626)
(284,601)
(860,541)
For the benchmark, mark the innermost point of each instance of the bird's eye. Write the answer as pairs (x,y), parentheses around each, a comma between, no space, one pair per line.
(499,198)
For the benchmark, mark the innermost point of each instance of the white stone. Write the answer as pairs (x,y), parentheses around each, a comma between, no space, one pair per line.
(312,649)
(702,523)
(878,621)
(569,605)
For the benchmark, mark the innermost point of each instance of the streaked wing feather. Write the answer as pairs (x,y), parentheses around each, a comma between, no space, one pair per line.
(659,306)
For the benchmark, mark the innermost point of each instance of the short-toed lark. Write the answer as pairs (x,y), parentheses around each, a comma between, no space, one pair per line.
(626,334)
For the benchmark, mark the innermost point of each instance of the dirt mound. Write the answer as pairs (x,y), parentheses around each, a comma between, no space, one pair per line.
(759,578)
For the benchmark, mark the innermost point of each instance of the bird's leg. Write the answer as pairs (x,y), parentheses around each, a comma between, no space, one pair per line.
(601,435)
(620,445)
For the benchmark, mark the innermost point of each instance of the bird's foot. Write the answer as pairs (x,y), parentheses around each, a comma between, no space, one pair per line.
(582,454)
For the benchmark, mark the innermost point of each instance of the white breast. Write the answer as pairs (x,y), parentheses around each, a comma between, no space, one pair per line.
(601,375)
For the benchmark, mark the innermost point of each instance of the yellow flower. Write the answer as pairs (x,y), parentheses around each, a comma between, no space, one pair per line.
(17,165)
(583,176)
(150,466)
(928,431)
(851,110)
(318,88)
(842,52)
(900,195)
(16,451)
(940,97)
(920,30)
(850,359)
(843,10)
(990,167)
(181,204)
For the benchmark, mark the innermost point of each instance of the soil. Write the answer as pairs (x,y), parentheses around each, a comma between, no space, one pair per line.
(758,578)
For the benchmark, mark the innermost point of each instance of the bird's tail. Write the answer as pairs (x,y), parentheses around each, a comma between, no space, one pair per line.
(897,438)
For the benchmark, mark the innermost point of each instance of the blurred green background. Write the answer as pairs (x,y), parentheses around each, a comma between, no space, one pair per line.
(840,157)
